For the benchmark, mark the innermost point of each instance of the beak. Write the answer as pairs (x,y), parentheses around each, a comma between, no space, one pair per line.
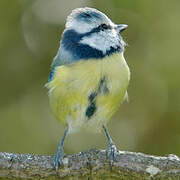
(121,27)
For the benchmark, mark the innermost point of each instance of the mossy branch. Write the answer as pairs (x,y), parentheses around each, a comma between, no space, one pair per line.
(92,164)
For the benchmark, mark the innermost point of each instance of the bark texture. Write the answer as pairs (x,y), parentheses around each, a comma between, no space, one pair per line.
(92,164)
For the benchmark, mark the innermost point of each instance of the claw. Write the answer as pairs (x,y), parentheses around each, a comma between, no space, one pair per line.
(110,152)
(58,157)
(111,149)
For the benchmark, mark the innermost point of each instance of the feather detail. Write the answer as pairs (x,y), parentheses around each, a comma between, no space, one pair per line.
(86,94)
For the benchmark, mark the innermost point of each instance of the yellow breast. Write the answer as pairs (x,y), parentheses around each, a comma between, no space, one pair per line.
(87,93)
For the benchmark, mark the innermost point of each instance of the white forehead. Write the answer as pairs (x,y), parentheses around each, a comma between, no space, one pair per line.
(83,20)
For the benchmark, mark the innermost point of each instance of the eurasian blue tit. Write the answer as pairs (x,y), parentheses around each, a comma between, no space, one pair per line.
(89,75)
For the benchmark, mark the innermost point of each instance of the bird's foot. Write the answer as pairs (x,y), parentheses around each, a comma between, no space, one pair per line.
(58,157)
(111,152)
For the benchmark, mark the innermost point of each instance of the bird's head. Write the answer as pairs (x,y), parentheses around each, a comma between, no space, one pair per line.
(89,33)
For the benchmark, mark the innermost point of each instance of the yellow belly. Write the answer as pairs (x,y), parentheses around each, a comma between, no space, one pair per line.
(86,94)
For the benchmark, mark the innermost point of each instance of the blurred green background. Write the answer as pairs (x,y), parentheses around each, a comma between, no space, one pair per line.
(30,32)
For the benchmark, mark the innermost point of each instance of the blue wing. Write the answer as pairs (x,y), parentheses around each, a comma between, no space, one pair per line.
(63,57)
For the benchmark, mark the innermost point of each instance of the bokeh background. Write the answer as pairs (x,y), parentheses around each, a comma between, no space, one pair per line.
(29,38)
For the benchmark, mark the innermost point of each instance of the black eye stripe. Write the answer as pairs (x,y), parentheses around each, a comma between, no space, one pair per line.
(100,28)
(105,26)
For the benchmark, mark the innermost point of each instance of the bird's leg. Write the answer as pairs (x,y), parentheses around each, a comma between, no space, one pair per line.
(60,152)
(111,148)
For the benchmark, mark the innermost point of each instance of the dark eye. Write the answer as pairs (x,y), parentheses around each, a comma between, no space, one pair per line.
(87,15)
(104,26)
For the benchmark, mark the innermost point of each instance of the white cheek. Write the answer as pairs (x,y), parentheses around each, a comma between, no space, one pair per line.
(102,41)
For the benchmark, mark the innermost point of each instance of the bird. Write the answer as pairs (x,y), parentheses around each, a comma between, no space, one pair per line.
(89,76)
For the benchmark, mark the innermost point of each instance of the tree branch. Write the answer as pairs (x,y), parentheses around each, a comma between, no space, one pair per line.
(92,164)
